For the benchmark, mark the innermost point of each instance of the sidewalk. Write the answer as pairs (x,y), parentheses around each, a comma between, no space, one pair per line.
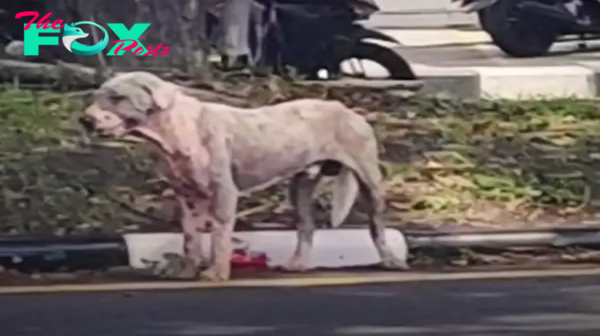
(423,13)
(464,63)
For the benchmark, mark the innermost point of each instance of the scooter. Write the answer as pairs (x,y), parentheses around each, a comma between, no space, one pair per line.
(309,36)
(528,28)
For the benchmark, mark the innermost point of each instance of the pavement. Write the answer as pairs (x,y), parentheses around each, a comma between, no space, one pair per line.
(471,47)
(454,57)
(422,13)
(462,62)
(518,307)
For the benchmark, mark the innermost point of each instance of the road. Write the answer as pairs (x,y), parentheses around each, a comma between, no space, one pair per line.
(474,49)
(462,56)
(518,307)
(441,40)
(470,47)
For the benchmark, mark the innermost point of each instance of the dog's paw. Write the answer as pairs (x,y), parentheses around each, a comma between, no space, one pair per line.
(214,274)
(295,265)
(394,264)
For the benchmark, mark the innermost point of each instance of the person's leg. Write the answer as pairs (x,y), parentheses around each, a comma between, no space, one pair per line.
(235,21)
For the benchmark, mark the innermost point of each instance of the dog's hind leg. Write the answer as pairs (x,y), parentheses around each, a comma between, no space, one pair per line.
(345,190)
(302,188)
(371,190)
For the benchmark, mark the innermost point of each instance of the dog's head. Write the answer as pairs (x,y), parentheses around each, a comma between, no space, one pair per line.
(125,102)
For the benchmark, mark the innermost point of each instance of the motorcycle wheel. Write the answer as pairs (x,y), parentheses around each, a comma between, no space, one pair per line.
(518,33)
(395,65)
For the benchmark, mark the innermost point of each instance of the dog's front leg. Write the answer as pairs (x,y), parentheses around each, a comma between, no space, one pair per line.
(222,210)
(194,222)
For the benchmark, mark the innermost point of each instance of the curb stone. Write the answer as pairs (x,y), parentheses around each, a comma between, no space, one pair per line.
(453,82)
(320,280)
(340,248)
(537,82)
(332,249)
(595,67)
(514,83)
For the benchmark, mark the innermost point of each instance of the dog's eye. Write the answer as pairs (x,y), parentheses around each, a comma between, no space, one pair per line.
(114,100)
(131,122)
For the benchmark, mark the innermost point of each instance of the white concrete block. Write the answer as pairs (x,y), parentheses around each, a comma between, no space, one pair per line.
(404,6)
(422,13)
(332,248)
(421,20)
(437,37)
(533,82)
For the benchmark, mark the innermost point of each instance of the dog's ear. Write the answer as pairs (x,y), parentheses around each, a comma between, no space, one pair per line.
(162,93)
(145,91)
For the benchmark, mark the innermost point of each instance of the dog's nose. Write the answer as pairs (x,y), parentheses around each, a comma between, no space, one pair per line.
(87,123)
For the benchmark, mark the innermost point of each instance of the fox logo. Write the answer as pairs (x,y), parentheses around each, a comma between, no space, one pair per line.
(71,34)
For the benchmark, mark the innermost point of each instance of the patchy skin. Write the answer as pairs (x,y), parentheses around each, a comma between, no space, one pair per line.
(215,153)
(108,124)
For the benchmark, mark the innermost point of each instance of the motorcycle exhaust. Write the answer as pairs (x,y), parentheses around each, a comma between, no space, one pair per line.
(550,11)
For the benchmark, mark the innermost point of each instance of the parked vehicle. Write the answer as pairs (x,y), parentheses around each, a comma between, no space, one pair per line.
(306,35)
(311,36)
(528,28)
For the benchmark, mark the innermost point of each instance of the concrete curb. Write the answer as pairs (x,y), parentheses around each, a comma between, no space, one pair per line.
(451,82)
(331,248)
(264,249)
(319,280)
(513,83)
(537,82)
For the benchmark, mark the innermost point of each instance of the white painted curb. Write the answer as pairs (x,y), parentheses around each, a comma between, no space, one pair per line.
(332,248)
(536,82)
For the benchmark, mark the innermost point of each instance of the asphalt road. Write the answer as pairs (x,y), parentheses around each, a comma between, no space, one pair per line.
(442,16)
(465,55)
(549,307)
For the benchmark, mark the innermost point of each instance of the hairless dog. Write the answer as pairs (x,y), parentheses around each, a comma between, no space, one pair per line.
(216,152)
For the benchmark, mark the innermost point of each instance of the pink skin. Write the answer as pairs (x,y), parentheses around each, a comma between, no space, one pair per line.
(107,123)
(198,213)
(215,152)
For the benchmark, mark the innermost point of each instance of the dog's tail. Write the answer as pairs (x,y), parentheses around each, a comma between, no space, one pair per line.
(345,189)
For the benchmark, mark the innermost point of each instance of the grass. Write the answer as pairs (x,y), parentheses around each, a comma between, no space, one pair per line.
(55,181)
(494,164)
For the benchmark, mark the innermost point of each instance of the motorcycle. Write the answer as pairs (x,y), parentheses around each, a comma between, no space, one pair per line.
(309,37)
(528,28)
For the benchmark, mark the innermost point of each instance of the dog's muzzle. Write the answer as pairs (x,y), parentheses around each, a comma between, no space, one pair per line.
(88,123)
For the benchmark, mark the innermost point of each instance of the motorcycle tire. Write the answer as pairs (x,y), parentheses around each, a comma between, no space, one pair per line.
(517,33)
(396,65)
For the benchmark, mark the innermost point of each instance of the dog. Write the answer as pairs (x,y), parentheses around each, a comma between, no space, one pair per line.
(215,153)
